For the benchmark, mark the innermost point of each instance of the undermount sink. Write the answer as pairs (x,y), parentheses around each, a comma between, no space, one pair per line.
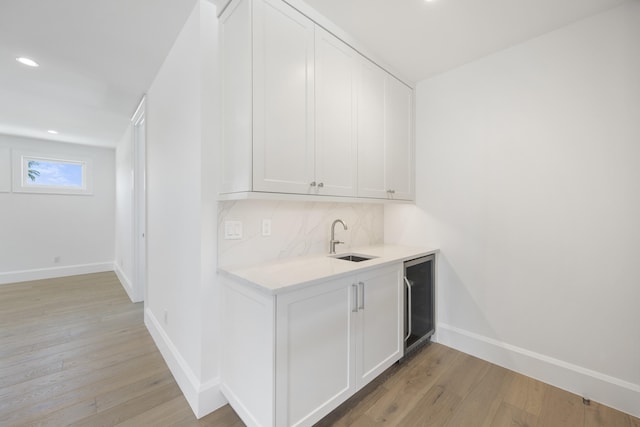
(353,257)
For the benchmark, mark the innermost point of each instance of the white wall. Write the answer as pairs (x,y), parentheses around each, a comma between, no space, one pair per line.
(528,181)
(36,228)
(297,229)
(123,263)
(181,302)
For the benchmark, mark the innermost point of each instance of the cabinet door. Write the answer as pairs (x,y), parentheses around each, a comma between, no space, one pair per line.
(398,139)
(314,346)
(283,98)
(371,120)
(380,304)
(335,72)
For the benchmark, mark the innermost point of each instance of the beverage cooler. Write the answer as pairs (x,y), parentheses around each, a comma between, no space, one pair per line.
(419,280)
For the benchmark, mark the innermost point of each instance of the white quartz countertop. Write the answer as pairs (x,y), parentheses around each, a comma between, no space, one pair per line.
(293,273)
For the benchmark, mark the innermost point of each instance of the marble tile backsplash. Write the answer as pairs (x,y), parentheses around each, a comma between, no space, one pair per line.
(297,228)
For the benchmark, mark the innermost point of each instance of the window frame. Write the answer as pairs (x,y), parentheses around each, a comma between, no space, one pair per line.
(21,183)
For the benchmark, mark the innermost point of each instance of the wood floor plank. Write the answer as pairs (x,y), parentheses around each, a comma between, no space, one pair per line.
(68,414)
(224,416)
(439,403)
(508,415)
(171,413)
(37,402)
(411,383)
(90,371)
(560,408)
(482,402)
(435,408)
(129,348)
(99,339)
(597,415)
(75,349)
(132,389)
(354,408)
(365,421)
(525,393)
(132,407)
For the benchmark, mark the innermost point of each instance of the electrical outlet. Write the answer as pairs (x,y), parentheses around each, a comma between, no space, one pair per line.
(266,227)
(233,230)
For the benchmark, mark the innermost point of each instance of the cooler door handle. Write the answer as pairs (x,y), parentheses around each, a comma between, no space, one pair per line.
(406,281)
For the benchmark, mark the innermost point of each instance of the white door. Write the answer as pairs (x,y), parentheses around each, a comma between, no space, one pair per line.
(314,351)
(139,204)
(336,91)
(371,119)
(398,136)
(380,322)
(283,103)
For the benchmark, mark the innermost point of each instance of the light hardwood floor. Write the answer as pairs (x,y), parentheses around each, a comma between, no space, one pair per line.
(75,351)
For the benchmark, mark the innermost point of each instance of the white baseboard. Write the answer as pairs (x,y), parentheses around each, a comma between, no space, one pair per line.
(203,398)
(126,282)
(237,405)
(599,387)
(53,272)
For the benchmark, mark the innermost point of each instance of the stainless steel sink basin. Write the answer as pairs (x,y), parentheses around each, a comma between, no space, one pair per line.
(353,257)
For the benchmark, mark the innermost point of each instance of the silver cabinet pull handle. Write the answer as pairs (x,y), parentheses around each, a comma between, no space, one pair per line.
(361,306)
(406,281)
(354,308)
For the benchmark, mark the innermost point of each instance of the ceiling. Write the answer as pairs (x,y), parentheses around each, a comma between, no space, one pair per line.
(419,39)
(97,58)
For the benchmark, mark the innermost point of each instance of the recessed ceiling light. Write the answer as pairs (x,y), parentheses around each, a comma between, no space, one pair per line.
(27,61)
(53,132)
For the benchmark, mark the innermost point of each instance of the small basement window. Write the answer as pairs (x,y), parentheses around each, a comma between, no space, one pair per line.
(48,175)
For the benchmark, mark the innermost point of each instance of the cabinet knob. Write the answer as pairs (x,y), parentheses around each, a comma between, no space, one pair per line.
(391,191)
(320,185)
(313,184)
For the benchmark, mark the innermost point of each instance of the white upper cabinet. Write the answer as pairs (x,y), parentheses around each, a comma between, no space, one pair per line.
(305,113)
(385,154)
(283,98)
(398,136)
(371,138)
(336,91)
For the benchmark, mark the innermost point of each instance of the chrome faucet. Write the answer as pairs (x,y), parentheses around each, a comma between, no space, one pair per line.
(333,242)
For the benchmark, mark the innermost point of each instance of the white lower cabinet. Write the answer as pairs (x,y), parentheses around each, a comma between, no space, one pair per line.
(291,359)
(315,367)
(380,318)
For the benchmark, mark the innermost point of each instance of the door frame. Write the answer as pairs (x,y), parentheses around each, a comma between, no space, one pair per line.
(139,205)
